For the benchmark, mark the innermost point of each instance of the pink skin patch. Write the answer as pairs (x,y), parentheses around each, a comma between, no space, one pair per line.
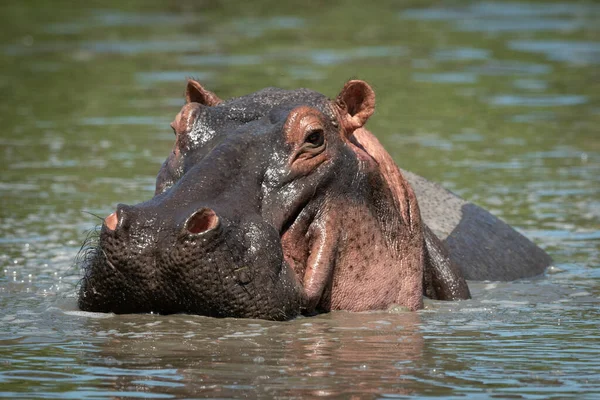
(400,188)
(355,261)
(346,257)
(324,235)
(111,221)
(410,246)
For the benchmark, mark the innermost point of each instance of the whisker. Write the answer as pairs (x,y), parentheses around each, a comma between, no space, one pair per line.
(93,215)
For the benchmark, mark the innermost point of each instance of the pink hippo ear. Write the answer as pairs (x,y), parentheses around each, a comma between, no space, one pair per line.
(355,104)
(195,93)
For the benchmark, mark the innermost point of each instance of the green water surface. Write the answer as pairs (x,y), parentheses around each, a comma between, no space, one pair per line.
(499,101)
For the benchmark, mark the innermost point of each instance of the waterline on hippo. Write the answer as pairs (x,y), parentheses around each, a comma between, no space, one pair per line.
(281,203)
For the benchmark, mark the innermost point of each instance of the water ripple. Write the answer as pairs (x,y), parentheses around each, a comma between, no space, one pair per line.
(561,50)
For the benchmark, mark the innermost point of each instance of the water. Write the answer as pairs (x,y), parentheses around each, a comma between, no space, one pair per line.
(499,101)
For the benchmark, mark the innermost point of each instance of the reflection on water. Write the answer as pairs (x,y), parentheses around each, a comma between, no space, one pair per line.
(510,68)
(446,77)
(151,78)
(538,101)
(315,56)
(496,100)
(181,44)
(114,18)
(461,54)
(502,17)
(556,50)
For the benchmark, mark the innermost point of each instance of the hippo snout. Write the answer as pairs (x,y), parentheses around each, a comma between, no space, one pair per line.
(193,260)
(140,242)
(202,220)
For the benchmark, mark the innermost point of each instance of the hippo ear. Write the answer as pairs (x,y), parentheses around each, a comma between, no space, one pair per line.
(355,103)
(195,93)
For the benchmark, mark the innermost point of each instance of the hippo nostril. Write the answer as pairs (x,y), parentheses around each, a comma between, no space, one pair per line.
(202,221)
(111,221)
(119,219)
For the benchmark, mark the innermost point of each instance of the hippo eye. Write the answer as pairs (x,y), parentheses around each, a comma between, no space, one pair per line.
(315,138)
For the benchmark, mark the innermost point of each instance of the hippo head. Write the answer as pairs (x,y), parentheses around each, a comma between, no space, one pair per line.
(270,205)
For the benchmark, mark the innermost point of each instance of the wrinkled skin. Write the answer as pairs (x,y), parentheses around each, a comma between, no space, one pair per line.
(271,205)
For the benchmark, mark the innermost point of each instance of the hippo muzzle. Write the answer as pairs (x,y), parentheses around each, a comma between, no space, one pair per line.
(207,265)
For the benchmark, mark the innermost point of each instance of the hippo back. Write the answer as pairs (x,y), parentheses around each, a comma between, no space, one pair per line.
(484,247)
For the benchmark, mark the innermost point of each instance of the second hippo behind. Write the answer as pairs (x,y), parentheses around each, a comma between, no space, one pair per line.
(272,205)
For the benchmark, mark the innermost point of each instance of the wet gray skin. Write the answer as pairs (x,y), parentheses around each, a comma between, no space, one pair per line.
(209,242)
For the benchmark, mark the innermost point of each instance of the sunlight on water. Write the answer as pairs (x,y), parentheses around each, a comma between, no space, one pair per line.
(538,101)
(568,51)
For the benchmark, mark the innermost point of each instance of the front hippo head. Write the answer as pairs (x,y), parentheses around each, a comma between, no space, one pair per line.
(270,205)
(201,244)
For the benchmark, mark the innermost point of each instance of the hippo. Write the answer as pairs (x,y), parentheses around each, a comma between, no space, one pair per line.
(281,203)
